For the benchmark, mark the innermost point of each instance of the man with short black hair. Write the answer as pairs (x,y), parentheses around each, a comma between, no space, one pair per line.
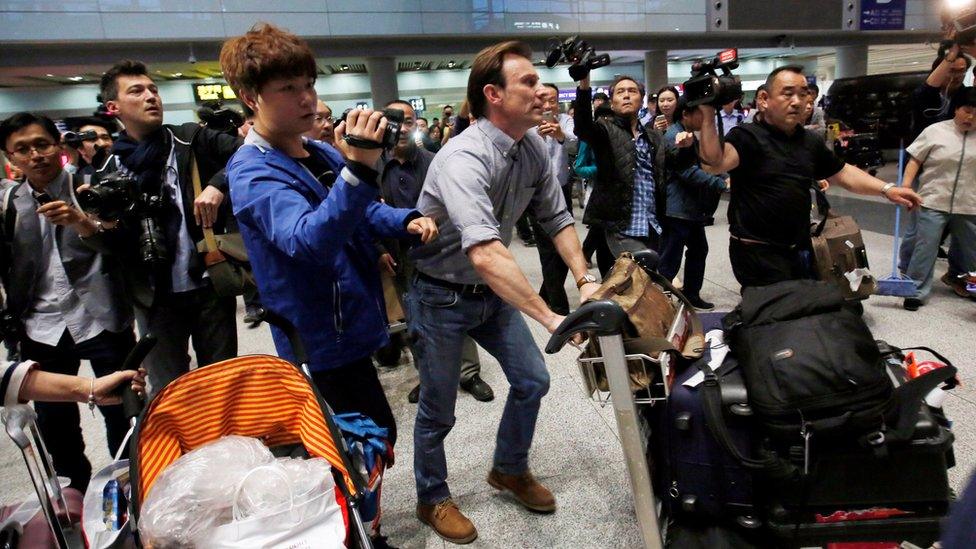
(468,283)
(67,300)
(628,198)
(173,299)
(401,178)
(772,164)
(94,152)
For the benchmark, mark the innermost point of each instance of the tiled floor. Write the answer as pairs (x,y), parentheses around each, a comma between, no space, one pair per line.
(576,452)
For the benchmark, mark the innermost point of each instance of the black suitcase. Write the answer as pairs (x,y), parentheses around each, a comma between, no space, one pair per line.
(696,478)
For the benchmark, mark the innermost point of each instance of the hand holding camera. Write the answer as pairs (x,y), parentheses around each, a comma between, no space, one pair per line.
(363,134)
(581,56)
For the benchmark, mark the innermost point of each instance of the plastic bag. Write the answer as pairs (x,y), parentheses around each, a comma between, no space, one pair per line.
(196,492)
(276,487)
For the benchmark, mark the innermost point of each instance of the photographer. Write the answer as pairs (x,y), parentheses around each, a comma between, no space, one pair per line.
(693,195)
(312,246)
(772,163)
(628,199)
(165,274)
(65,301)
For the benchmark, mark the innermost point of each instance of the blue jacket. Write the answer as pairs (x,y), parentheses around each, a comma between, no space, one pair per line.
(312,250)
(693,193)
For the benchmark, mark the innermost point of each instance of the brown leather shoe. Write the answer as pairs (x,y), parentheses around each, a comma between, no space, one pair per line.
(958,284)
(447,521)
(526,489)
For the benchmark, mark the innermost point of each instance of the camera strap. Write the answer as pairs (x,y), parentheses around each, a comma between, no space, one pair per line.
(208,235)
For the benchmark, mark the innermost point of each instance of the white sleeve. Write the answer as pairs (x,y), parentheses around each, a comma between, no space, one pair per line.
(12,377)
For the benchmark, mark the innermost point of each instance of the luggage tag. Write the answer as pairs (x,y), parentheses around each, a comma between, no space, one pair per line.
(717,349)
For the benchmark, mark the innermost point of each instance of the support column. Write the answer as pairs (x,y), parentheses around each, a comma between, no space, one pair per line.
(655,69)
(851,61)
(382,80)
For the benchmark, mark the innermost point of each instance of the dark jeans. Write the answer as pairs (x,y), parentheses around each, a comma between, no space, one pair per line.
(355,387)
(762,265)
(524,228)
(175,318)
(678,235)
(596,242)
(554,271)
(59,422)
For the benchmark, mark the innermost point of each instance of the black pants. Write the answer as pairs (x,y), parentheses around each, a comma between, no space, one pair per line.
(554,271)
(59,422)
(678,235)
(354,387)
(210,320)
(524,228)
(762,265)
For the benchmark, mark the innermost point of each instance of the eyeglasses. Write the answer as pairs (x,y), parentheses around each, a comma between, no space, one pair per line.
(320,118)
(43,148)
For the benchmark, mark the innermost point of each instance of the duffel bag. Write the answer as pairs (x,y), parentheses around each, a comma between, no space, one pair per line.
(813,371)
(839,254)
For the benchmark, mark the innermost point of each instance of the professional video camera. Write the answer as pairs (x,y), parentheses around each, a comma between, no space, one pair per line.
(220,118)
(707,87)
(581,56)
(117,195)
(75,139)
(394,121)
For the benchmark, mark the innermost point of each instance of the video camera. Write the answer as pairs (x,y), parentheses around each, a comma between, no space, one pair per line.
(580,54)
(117,195)
(963,23)
(707,87)
(394,121)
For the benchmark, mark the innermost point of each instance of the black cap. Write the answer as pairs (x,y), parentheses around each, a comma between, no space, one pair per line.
(601,95)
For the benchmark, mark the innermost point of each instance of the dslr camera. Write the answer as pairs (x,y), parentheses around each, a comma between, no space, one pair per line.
(75,139)
(117,195)
(579,54)
(394,121)
(707,87)
(220,118)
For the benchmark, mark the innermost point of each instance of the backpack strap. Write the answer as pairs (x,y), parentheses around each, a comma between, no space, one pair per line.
(909,396)
(8,223)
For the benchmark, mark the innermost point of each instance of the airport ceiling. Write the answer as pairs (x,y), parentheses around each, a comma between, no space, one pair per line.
(47,65)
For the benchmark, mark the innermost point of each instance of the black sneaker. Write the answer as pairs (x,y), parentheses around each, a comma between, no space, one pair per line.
(700,304)
(912,303)
(252,316)
(414,395)
(478,388)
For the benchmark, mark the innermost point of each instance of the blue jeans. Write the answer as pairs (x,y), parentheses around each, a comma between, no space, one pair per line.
(908,246)
(678,235)
(440,319)
(929,226)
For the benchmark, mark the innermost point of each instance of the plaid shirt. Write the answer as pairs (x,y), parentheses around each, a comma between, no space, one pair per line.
(643,214)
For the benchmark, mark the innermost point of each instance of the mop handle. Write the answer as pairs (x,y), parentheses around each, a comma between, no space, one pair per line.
(901,167)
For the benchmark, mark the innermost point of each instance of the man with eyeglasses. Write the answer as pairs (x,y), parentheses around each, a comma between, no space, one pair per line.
(323,126)
(66,299)
(402,177)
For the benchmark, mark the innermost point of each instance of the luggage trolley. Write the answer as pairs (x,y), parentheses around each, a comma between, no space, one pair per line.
(606,321)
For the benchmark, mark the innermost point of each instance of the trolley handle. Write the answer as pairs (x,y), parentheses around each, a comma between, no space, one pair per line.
(132,402)
(283,324)
(603,317)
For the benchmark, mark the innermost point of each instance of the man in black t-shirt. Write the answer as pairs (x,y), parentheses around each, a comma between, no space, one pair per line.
(772,164)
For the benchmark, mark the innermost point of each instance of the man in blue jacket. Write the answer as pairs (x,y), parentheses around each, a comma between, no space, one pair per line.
(311,245)
(693,196)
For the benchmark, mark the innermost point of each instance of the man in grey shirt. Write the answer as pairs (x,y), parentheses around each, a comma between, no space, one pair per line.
(467,282)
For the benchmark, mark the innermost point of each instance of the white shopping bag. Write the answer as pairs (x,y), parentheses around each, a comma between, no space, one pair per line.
(316,523)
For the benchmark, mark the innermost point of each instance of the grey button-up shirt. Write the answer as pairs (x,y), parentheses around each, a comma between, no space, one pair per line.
(477,187)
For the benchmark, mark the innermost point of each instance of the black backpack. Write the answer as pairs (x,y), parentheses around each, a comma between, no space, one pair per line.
(813,371)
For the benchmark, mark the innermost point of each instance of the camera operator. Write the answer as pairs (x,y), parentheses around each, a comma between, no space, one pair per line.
(772,163)
(64,299)
(467,282)
(165,274)
(401,178)
(94,150)
(311,246)
(628,198)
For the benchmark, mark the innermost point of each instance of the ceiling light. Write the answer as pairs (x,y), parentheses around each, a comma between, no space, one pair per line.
(450,64)
(76,78)
(177,74)
(343,67)
(49,75)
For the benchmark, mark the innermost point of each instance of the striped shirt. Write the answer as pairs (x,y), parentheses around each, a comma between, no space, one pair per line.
(643,215)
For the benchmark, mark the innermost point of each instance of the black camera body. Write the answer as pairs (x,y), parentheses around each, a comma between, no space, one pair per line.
(394,123)
(10,327)
(220,118)
(707,87)
(75,139)
(117,195)
(579,54)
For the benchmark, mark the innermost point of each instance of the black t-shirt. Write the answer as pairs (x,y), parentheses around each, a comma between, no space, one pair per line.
(770,195)
(319,168)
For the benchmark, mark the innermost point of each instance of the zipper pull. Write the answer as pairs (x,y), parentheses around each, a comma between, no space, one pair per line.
(806,434)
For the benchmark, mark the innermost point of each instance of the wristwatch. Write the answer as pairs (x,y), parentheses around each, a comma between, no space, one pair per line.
(886,188)
(585,279)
